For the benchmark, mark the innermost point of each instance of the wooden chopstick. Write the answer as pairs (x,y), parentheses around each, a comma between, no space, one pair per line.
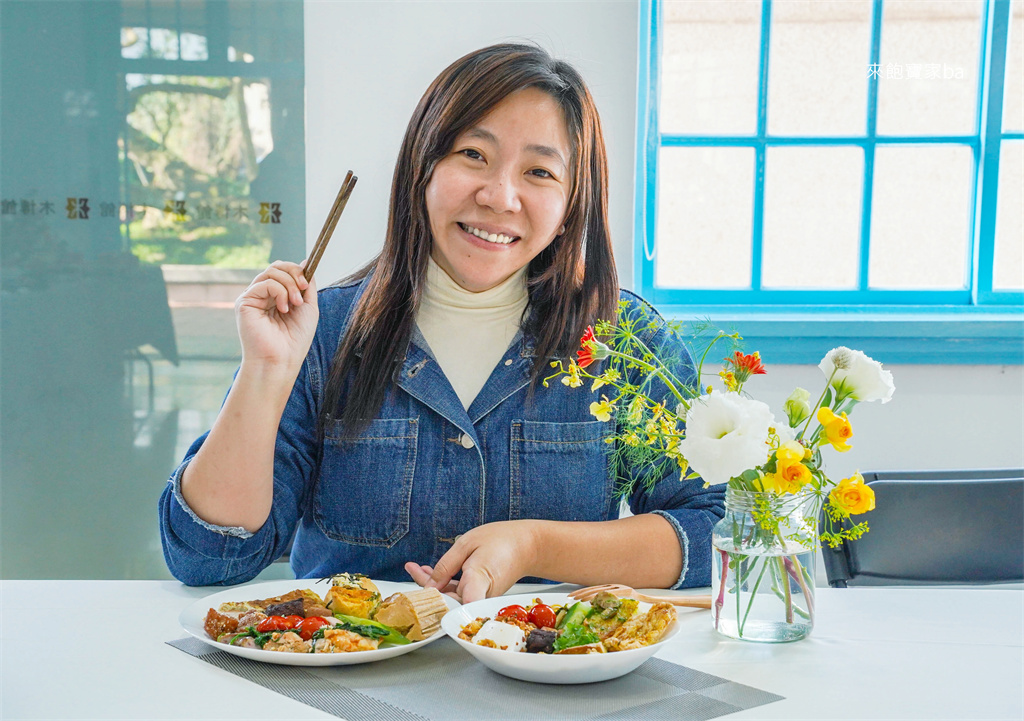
(332,220)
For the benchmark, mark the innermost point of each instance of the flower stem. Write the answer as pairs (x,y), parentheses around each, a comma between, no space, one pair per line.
(720,601)
(796,570)
(789,594)
(814,411)
(753,596)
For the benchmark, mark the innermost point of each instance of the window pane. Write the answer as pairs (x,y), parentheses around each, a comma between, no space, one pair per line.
(709,64)
(928,68)
(920,221)
(816,81)
(1013,97)
(812,210)
(705,211)
(1009,254)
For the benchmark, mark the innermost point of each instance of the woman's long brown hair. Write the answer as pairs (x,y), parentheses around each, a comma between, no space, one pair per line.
(571,283)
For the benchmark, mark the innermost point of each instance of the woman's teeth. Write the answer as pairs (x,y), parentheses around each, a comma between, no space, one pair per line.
(490,238)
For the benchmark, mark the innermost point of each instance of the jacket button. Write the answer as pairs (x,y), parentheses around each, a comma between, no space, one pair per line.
(466,441)
(508,362)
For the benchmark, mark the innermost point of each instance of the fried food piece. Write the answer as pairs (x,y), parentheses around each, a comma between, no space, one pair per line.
(611,613)
(299,593)
(642,629)
(341,641)
(359,602)
(238,607)
(586,648)
(414,614)
(217,624)
(288,641)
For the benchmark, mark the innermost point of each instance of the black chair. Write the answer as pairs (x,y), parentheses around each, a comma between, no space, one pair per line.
(935,528)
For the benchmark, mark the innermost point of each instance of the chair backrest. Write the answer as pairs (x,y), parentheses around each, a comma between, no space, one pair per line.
(936,527)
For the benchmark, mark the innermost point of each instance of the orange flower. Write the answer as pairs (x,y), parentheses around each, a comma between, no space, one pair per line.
(744,366)
(591,349)
(853,496)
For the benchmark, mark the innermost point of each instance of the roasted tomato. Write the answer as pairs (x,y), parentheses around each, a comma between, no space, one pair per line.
(515,611)
(294,621)
(542,616)
(273,623)
(309,626)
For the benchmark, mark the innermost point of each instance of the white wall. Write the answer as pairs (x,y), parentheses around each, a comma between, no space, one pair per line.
(367,63)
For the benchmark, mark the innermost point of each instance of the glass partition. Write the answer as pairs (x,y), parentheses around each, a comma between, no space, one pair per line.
(152,158)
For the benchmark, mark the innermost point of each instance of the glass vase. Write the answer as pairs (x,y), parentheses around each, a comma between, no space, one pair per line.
(762,581)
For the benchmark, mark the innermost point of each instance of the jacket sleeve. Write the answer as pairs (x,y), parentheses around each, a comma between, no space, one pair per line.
(691,509)
(200,553)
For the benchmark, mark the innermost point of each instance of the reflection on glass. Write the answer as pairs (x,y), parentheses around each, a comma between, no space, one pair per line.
(928,67)
(1013,95)
(195,144)
(709,63)
(920,222)
(817,68)
(705,211)
(812,211)
(1009,251)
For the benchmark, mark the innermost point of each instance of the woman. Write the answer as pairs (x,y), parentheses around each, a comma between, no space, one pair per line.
(397,419)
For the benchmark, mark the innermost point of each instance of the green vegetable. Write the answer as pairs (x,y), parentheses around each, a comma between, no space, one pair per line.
(575,615)
(371,629)
(574,635)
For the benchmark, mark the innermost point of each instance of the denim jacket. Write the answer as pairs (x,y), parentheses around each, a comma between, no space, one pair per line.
(427,470)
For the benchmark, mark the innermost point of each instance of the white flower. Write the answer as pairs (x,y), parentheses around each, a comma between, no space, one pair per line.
(864,379)
(726,435)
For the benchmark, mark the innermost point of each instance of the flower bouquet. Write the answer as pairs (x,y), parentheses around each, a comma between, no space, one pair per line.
(776,486)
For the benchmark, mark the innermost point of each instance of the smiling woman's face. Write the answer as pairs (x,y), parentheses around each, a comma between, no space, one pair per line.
(500,196)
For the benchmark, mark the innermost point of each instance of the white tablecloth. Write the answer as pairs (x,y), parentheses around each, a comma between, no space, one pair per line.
(96,650)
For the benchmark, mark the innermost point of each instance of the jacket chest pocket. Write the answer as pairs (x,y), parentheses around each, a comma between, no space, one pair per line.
(365,486)
(561,471)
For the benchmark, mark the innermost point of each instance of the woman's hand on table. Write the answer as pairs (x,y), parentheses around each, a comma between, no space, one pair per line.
(492,557)
(277,316)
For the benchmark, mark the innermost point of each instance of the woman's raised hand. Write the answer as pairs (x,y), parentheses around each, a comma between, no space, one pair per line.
(277,316)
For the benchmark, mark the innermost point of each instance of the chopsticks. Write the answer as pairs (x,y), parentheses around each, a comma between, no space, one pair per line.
(332,220)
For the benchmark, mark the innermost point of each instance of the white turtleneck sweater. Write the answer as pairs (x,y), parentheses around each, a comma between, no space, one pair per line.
(469,332)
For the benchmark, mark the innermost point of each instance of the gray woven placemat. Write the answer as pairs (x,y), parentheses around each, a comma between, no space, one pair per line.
(441,682)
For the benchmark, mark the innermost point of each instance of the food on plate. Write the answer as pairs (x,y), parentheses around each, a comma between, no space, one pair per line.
(604,625)
(353,594)
(347,621)
(414,614)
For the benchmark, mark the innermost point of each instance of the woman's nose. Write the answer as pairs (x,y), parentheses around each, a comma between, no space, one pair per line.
(500,193)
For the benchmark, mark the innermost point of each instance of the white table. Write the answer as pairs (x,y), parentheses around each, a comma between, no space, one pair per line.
(96,650)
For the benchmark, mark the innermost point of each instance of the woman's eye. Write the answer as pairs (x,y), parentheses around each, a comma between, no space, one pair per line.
(541,173)
(470,153)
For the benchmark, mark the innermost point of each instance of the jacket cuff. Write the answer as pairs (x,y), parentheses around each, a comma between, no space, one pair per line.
(684,544)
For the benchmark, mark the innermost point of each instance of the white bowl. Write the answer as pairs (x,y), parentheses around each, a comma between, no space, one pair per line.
(543,667)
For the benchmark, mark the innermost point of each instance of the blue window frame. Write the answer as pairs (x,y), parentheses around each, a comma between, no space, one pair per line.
(975,324)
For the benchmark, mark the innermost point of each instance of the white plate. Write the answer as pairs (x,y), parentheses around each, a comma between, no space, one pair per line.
(543,667)
(192,619)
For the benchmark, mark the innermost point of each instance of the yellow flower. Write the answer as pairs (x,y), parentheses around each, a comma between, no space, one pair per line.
(609,376)
(729,379)
(795,473)
(573,378)
(789,477)
(602,410)
(790,451)
(853,496)
(837,428)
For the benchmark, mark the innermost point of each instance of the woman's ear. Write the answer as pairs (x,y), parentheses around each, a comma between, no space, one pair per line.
(561,230)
